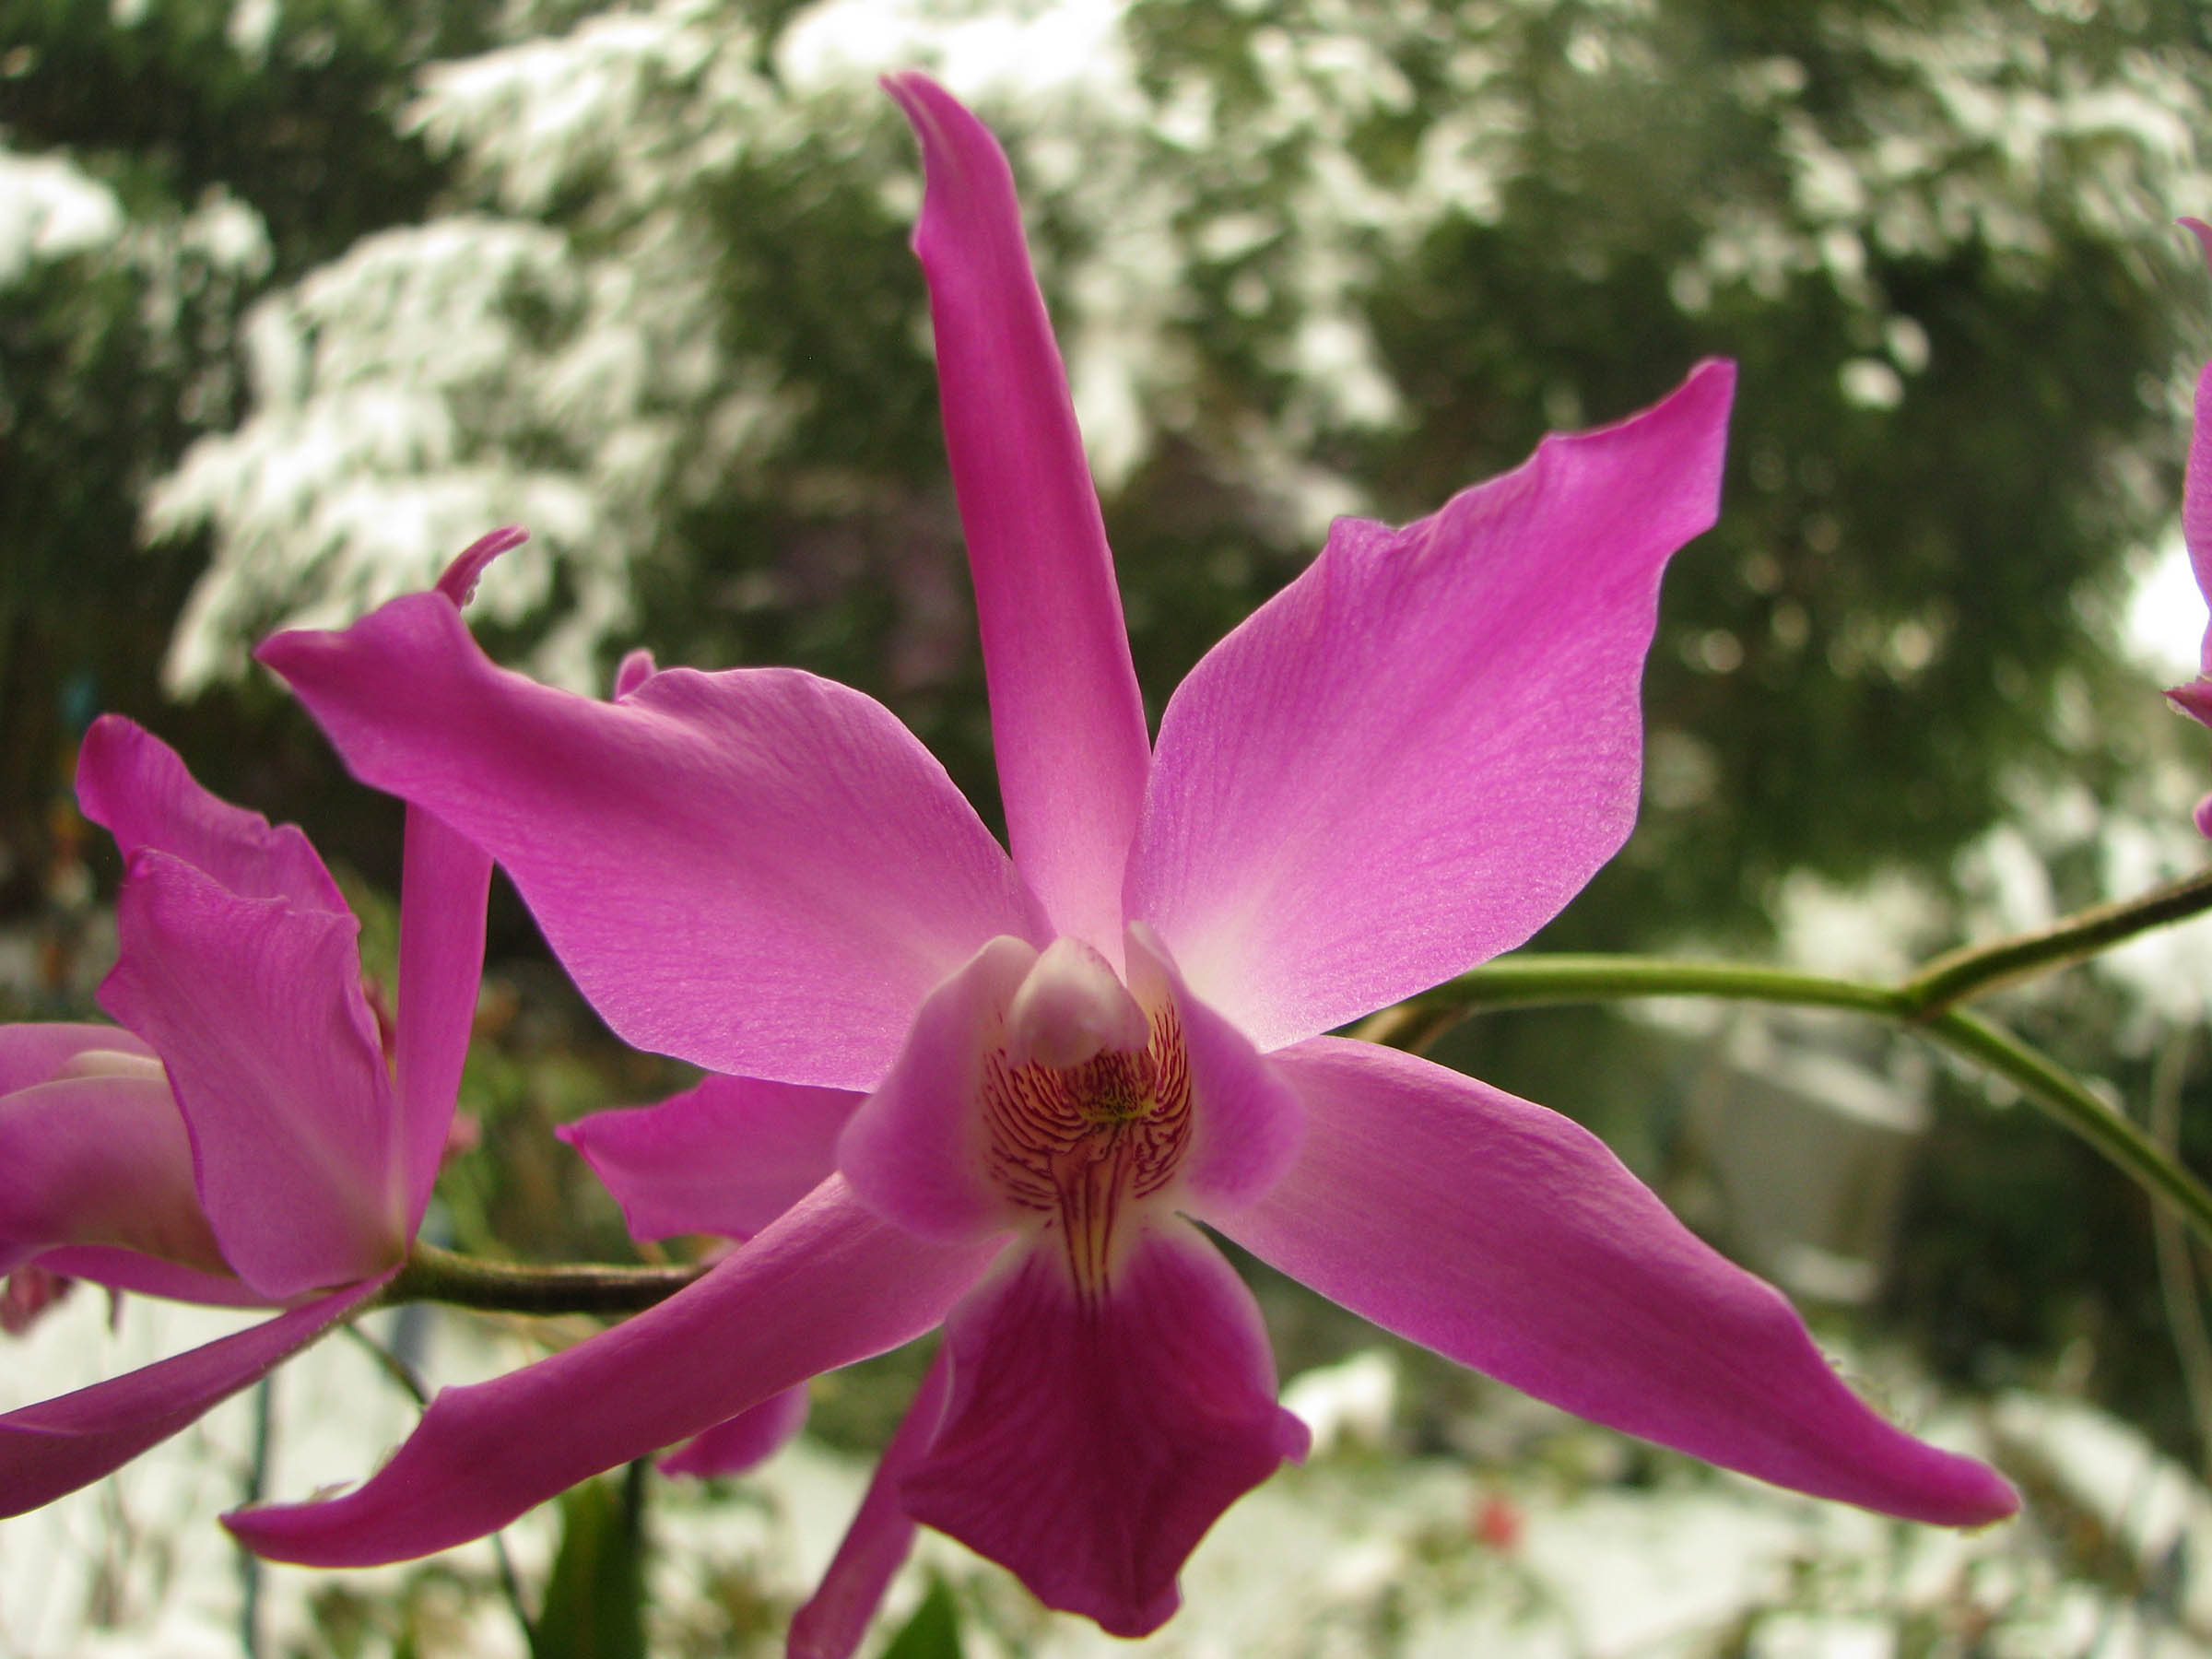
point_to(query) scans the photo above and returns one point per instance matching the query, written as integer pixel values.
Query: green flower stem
(2068, 1099)
(1956, 977)
(1532, 981)
(443, 1276)
(1524, 981)
(1969, 972)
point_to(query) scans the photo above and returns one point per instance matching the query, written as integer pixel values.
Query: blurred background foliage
(337, 285)
(298, 296)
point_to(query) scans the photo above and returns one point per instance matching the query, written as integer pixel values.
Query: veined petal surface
(835, 1617)
(1091, 1440)
(1245, 1121)
(101, 1160)
(1410, 759)
(727, 1156)
(134, 786)
(1508, 1239)
(444, 882)
(1066, 718)
(61, 1445)
(827, 1284)
(758, 871)
(255, 1007)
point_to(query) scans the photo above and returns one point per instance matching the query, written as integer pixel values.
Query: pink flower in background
(2195, 698)
(27, 1295)
(998, 1093)
(240, 1140)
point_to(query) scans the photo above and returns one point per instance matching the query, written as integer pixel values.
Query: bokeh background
(298, 296)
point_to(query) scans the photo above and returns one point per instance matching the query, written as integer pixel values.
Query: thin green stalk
(1956, 977)
(2068, 1099)
(397, 1370)
(1527, 981)
(257, 1488)
(1977, 968)
(415, 1389)
(444, 1275)
(2177, 1267)
(1521, 982)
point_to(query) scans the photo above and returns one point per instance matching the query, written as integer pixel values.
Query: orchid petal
(1066, 719)
(635, 668)
(147, 1276)
(132, 782)
(58, 1445)
(744, 1441)
(2196, 484)
(1091, 1440)
(101, 1160)
(256, 1008)
(2196, 499)
(443, 885)
(835, 1617)
(1245, 1121)
(1408, 760)
(1508, 1239)
(458, 582)
(727, 1156)
(2201, 231)
(36, 1051)
(758, 871)
(918, 1150)
(826, 1285)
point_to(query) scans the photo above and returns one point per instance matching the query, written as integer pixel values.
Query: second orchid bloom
(243, 1138)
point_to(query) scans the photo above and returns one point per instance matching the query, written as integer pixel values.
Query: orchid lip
(1079, 1143)
(1045, 1094)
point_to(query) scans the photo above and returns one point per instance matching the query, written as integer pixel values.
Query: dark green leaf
(933, 1633)
(594, 1606)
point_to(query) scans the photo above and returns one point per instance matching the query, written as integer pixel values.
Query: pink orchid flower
(2195, 698)
(240, 1140)
(998, 1094)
